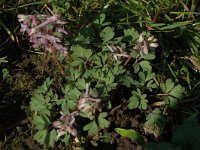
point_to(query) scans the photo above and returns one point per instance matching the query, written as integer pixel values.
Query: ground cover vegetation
(101, 74)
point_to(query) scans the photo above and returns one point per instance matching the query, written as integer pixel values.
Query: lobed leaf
(91, 127)
(41, 136)
(102, 122)
(132, 134)
(107, 34)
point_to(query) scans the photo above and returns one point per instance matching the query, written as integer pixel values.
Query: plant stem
(58, 63)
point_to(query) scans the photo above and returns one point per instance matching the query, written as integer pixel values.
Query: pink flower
(41, 34)
(65, 124)
(88, 106)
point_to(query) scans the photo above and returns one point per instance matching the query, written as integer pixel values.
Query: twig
(117, 107)
(58, 63)
(129, 58)
(156, 81)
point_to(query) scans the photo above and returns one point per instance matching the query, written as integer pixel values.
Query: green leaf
(142, 76)
(136, 68)
(171, 101)
(132, 134)
(80, 52)
(45, 86)
(174, 93)
(137, 83)
(139, 92)
(41, 136)
(41, 122)
(96, 60)
(66, 139)
(143, 104)
(47, 83)
(127, 81)
(133, 102)
(109, 78)
(64, 106)
(177, 91)
(107, 34)
(162, 87)
(74, 94)
(66, 89)
(67, 104)
(100, 19)
(77, 51)
(134, 54)
(87, 53)
(103, 114)
(149, 75)
(138, 100)
(155, 118)
(91, 128)
(175, 25)
(37, 103)
(81, 84)
(149, 57)
(145, 65)
(93, 92)
(150, 85)
(169, 85)
(103, 123)
(52, 138)
(131, 34)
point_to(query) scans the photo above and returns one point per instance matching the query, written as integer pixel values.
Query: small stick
(57, 62)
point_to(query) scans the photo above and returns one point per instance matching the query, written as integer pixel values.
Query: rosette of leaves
(138, 100)
(172, 92)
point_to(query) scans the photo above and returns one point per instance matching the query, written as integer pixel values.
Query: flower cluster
(65, 124)
(117, 51)
(143, 44)
(88, 106)
(44, 31)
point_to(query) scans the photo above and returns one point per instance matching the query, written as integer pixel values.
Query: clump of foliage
(101, 48)
(91, 76)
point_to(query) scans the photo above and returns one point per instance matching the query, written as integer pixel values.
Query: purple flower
(88, 106)
(66, 124)
(41, 29)
(143, 45)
